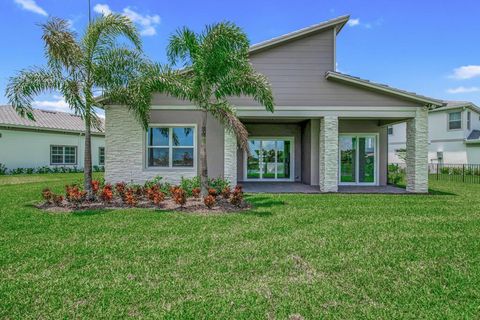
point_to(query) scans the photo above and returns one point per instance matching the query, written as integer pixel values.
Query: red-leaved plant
(95, 186)
(209, 201)
(130, 197)
(47, 195)
(196, 192)
(120, 188)
(179, 196)
(212, 192)
(226, 192)
(74, 194)
(237, 196)
(57, 199)
(107, 193)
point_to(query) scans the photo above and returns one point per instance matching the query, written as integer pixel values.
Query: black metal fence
(468, 173)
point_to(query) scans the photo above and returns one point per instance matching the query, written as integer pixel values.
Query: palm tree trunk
(203, 156)
(87, 162)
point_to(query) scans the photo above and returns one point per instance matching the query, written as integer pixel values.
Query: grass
(317, 256)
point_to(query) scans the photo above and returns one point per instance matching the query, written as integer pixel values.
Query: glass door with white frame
(358, 159)
(270, 159)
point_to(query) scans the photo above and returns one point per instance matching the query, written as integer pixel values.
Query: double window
(171, 147)
(101, 156)
(63, 155)
(455, 120)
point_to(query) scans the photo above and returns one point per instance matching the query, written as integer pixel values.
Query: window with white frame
(455, 120)
(469, 120)
(171, 147)
(390, 130)
(101, 156)
(62, 155)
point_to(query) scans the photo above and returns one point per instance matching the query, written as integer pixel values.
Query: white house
(453, 137)
(53, 139)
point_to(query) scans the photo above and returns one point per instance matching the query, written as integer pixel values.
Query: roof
(45, 120)
(341, 77)
(449, 104)
(337, 23)
(474, 135)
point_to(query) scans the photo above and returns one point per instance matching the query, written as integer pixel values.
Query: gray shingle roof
(47, 120)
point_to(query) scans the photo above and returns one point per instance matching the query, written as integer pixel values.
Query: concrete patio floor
(297, 187)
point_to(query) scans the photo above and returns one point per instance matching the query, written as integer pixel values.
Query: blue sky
(429, 47)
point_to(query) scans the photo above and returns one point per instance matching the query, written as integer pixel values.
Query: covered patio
(298, 187)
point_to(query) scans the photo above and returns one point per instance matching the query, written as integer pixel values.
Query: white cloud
(147, 23)
(353, 22)
(31, 5)
(103, 9)
(463, 90)
(466, 72)
(59, 104)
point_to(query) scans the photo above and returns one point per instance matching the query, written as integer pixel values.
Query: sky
(429, 47)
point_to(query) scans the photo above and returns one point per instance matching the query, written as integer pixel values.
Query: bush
(226, 192)
(189, 184)
(107, 193)
(179, 196)
(43, 170)
(74, 194)
(395, 174)
(218, 184)
(120, 188)
(209, 201)
(196, 192)
(212, 192)
(47, 195)
(57, 199)
(95, 186)
(3, 169)
(237, 196)
(129, 197)
(17, 171)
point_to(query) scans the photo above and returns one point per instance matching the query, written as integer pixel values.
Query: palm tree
(79, 66)
(217, 67)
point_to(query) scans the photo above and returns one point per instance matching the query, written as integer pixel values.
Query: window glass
(455, 120)
(63, 155)
(101, 156)
(171, 147)
(390, 130)
(469, 117)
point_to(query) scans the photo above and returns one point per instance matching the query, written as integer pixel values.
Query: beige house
(328, 129)
(54, 139)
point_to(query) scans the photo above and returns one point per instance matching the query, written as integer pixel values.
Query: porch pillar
(328, 160)
(417, 152)
(230, 157)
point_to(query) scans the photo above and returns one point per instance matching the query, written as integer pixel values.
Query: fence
(468, 173)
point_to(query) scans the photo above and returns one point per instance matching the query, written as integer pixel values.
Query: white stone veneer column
(417, 152)
(230, 158)
(328, 160)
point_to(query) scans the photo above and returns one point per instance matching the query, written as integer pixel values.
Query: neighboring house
(328, 128)
(53, 139)
(453, 137)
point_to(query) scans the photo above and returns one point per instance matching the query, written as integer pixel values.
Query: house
(453, 137)
(328, 129)
(54, 139)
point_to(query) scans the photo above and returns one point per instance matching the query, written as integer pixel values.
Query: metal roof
(449, 104)
(45, 120)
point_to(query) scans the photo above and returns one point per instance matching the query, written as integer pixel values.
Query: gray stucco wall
(274, 130)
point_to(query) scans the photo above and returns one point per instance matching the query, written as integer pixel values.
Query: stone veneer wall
(328, 172)
(230, 160)
(417, 152)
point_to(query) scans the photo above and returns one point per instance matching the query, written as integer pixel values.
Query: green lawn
(318, 256)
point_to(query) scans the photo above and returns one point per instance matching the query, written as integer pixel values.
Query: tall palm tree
(79, 66)
(217, 67)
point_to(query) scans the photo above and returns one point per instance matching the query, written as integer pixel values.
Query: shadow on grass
(90, 212)
(440, 193)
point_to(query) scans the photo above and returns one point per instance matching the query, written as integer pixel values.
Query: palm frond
(61, 47)
(225, 114)
(183, 47)
(28, 83)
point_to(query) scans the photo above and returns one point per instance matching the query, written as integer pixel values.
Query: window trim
(469, 120)
(100, 155)
(390, 130)
(171, 146)
(63, 155)
(448, 121)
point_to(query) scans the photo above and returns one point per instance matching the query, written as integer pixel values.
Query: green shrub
(218, 184)
(3, 169)
(396, 174)
(189, 184)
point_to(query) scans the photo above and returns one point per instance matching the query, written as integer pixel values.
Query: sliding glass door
(269, 159)
(358, 159)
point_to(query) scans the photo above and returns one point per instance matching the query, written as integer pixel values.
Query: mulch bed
(192, 206)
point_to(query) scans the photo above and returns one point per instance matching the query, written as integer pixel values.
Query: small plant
(218, 184)
(120, 188)
(95, 186)
(226, 192)
(179, 196)
(18, 171)
(130, 198)
(196, 192)
(57, 199)
(74, 194)
(209, 201)
(158, 197)
(30, 171)
(189, 184)
(212, 192)
(107, 193)
(47, 195)
(172, 190)
(237, 196)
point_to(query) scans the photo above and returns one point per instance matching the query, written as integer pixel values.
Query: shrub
(95, 186)
(120, 188)
(226, 192)
(444, 170)
(237, 196)
(17, 171)
(130, 198)
(189, 184)
(196, 192)
(218, 184)
(179, 196)
(209, 201)
(395, 174)
(47, 195)
(30, 171)
(74, 194)
(107, 193)
(3, 169)
(212, 192)
(43, 170)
